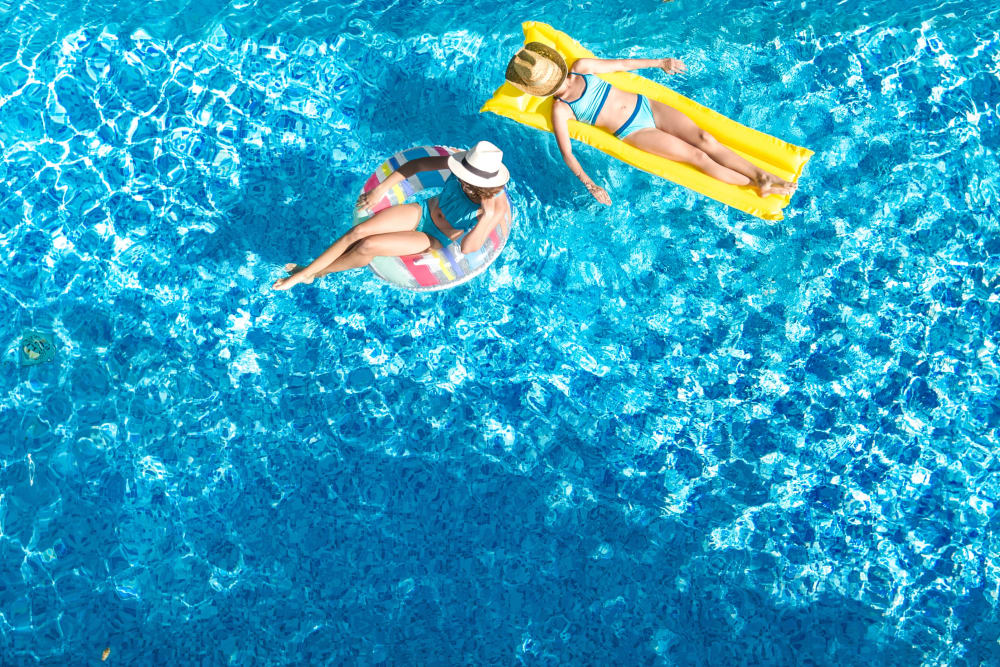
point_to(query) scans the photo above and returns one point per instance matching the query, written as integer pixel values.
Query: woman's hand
(600, 194)
(672, 66)
(368, 199)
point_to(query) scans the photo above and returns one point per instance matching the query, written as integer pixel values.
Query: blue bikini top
(588, 106)
(460, 211)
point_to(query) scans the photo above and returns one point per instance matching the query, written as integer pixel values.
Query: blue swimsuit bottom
(641, 118)
(460, 212)
(427, 226)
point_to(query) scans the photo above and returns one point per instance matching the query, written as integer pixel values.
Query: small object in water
(36, 348)
(106, 653)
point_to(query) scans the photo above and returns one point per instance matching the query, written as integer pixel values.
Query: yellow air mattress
(773, 155)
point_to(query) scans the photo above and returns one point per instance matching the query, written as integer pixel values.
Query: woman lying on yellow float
(649, 125)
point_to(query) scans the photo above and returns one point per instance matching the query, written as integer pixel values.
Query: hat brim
(549, 53)
(460, 170)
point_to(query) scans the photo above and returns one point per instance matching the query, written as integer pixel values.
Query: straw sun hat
(537, 69)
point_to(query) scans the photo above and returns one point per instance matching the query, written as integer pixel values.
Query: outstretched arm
(375, 195)
(560, 119)
(602, 66)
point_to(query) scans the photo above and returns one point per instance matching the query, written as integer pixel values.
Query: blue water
(663, 433)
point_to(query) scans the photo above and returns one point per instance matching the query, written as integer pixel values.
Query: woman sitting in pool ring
(649, 125)
(466, 211)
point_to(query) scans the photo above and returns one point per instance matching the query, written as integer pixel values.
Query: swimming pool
(664, 433)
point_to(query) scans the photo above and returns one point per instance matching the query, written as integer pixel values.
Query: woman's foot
(769, 184)
(293, 279)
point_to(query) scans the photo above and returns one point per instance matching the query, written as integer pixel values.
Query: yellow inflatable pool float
(771, 154)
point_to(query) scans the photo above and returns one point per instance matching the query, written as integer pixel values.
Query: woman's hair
(479, 194)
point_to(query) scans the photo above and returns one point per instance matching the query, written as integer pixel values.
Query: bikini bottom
(641, 118)
(428, 227)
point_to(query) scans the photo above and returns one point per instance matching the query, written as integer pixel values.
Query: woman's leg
(677, 124)
(392, 244)
(393, 219)
(659, 142)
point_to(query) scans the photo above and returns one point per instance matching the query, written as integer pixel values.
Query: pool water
(661, 433)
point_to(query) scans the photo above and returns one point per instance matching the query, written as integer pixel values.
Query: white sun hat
(481, 166)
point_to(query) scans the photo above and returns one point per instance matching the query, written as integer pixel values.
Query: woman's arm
(560, 118)
(375, 195)
(602, 66)
(490, 213)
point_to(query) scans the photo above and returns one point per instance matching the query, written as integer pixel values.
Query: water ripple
(667, 433)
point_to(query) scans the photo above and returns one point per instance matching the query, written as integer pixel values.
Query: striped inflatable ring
(440, 268)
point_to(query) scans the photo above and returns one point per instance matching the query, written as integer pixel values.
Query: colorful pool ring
(774, 155)
(436, 269)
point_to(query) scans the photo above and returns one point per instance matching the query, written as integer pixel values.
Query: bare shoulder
(491, 205)
(501, 202)
(496, 205)
(560, 110)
